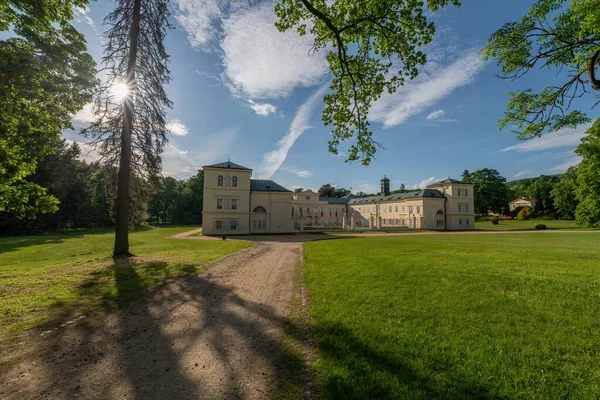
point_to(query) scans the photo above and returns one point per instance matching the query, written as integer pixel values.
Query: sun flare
(120, 91)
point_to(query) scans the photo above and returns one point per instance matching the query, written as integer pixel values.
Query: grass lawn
(44, 279)
(454, 316)
(526, 225)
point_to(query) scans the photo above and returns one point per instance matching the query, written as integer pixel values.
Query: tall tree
(129, 109)
(46, 75)
(326, 190)
(564, 194)
(588, 190)
(490, 193)
(376, 46)
(551, 35)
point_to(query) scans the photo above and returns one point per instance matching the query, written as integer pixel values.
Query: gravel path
(216, 335)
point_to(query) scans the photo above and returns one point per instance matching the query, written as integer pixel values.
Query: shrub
(494, 220)
(525, 214)
(483, 219)
(541, 227)
(507, 217)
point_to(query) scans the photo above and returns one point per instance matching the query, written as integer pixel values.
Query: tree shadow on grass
(191, 338)
(356, 370)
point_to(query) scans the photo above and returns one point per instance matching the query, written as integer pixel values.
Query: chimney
(385, 186)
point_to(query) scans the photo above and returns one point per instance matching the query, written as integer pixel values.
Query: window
(460, 222)
(219, 225)
(464, 208)
(440, 212)
(466, 193)
(259, 209)
(418, 210)
(259, 224)
(467, 222)
(410, 209)
(219, 204)
(440, 222)
(233, 225)
(234, 181)
(459, 192)
(220, 180)
(403, 209)
(234, 204)
(396, 208)
(227, 181)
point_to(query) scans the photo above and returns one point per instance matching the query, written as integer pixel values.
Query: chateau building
(236, 204)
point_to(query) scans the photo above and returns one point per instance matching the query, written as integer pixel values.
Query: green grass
(47, 278)
(526, 225)
(454, 316)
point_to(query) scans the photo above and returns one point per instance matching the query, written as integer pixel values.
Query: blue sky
(245, 91)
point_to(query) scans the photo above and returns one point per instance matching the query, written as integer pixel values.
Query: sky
(244, 91)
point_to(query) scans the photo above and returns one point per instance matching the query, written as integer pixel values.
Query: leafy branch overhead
(372, 45)
(551, 35)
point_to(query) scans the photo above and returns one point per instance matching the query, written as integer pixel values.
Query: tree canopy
(371, 46)
(46, 75)
(551, 35)
(490, 193)
(588, 183)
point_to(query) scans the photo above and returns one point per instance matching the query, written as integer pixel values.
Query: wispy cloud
(521, 173)
(565, 137)
(176, 127)
(181, 162)
(273, 160)
(436, 114)
(302, 173)
(82, 15)
(262, 109)
(85, 115)
(200, 19)
(437, 81)
(568, 162)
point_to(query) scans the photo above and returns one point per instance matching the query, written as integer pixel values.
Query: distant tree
(559, 34)
(588, 180)
(178, 201)
(373, 46)
(340, 192)
(326, 190)
(46, 75)
(466, 176)
(402, 187)
(162, 204)
(489, 191)
(564, 194)
(299, 190)
(130, 129)
(541, 189)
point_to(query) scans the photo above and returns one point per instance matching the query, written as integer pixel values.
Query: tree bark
(122, 203)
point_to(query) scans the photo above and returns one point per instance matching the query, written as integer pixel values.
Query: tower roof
(385, 178)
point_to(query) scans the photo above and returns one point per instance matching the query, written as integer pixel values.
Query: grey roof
(445, 181)
(335, 200)
(429, 193)
(229, 165)
(265, 185)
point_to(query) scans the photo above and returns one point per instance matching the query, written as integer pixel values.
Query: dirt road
(216, 335)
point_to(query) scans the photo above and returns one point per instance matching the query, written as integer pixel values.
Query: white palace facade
(236, 204)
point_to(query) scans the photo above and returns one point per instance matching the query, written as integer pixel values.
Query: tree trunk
(122, 204)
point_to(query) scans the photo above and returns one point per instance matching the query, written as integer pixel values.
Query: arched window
(227, 181)
(220, 180)
(259, 209)
(440, 212)
(234, 181)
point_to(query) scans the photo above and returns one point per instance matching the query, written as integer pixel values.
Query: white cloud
(260, 61)
(273, 160)
(426, 182)
(199, 19)
(82, 15)
(302, 173)
(262, 109)
(521, 173)
(435, 82)
(85, 115)
(176, 127)
(436, 114)
(565, 137)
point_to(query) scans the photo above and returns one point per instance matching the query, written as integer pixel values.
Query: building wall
(212, 191)
(460, 207)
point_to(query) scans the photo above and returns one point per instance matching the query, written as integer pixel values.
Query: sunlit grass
(46, 278)
(456, 316)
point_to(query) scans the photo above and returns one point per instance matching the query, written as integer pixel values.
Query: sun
(120, 90)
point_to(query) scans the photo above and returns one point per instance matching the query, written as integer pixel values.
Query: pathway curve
(215, 335)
